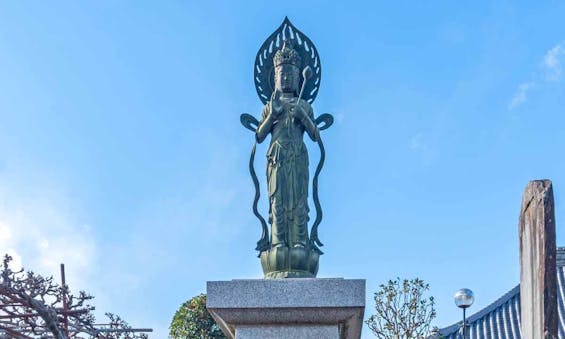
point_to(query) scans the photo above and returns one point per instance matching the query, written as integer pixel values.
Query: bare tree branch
(402, 310)
(32, 306)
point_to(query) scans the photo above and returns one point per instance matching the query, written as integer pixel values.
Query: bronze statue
(290, 251)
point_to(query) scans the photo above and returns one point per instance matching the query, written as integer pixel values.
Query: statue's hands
(298, 112)
(276, 106)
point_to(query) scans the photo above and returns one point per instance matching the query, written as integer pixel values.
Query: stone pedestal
(288, 308)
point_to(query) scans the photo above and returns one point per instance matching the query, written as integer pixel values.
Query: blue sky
(121, 152)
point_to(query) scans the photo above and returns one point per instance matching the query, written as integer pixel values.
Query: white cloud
(5, 241)
(521, 94)
(40, 232)
(551, 71)
(552, 62)
(5, 234)
(16, 263)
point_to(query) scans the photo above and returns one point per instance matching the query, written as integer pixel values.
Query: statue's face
(286, 78)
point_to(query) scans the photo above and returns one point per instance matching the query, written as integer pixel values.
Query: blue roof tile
(501, 319)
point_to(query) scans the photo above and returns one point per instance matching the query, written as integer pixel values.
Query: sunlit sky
(122, 155)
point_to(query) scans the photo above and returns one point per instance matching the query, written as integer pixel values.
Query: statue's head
(287, 69)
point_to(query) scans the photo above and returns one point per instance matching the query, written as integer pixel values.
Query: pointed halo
(264, 70)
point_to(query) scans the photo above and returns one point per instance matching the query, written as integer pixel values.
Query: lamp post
(464, 298)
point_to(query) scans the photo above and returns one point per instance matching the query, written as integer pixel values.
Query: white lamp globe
(464, 298)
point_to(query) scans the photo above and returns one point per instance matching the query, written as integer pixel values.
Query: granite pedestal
(288, 308)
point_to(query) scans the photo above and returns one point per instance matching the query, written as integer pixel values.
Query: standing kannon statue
(287, 79)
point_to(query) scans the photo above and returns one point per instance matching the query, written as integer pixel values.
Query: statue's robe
(287, 177)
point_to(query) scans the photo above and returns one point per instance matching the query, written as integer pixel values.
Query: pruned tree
(117, 328)
(192, 321)
(35, 306)
(402, 310)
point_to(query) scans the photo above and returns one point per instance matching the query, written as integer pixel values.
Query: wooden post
(538, 272)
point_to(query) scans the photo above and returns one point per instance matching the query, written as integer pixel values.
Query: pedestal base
(288, 308)
(277, 332)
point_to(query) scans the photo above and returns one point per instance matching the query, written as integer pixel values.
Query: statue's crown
(287, 55)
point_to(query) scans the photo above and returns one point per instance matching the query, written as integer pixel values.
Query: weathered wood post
(538, 275)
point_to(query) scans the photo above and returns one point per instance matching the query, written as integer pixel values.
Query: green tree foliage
(192, 321)
(402, 310)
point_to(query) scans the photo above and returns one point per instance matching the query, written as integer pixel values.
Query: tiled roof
(501, 319)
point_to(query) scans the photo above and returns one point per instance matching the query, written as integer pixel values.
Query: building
(501, 319)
